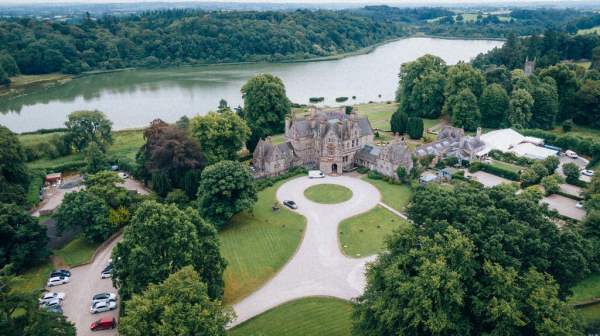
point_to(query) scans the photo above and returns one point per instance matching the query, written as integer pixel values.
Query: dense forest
(186, 37)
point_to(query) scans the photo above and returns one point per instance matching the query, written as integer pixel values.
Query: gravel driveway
(85, 282)
(318, 268)
(565, 206)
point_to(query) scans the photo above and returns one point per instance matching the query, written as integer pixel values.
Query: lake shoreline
(19, 90)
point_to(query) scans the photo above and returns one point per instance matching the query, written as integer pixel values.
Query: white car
(51, 296)
(571, 154)
(579, 205)
(103, 297)
(587, 172)
(52, 303)
(100, 307)
(55, 281)
(315, 174)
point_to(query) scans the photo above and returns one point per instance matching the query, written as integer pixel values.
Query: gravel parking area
(85, 283)
(487, 179)
(565, 206)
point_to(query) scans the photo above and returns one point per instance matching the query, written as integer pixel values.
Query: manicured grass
(257, 244)
(125, 144)
(587, 289)
(365, 234)
(589, 314)
(77, 251)
(328, 193)
(429, 123)
(379, 113)
(507, 166)
(303, 317)
(396, 196)
(34, 279)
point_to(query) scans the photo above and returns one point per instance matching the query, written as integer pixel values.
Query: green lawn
(587, 289)
(256, 245)
(582, 131)
(593, 30)
(396, 196)
(328, 193)
(76, 252)
(379, 113)
(365, 234)
(125, 144)
(507, 166)
(303, 317)
(34, 279)
(33, 192)
(589, 314)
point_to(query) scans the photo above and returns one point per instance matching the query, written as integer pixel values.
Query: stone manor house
(333, 141)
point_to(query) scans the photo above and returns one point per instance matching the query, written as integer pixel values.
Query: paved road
(85, 282)
(487, 179)
(565, 206)
(318, 268)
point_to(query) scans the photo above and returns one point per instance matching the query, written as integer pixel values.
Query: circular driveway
(318, 268)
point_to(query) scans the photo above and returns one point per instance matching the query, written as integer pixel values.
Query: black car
(60, 273)
(290, 204)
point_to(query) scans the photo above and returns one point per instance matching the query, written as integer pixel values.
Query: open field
(593, 30)
(125, 144)
(328, 193)
(303, 317)
(396, 196)
(256, 245)
(366, 233)
(379, 114)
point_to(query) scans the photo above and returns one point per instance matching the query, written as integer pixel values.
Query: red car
(103, 324)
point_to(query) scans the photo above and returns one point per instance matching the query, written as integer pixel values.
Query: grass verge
(77, 251)
(328, 193)
(257, 244)
(303, 317)
(396, 196)
(366, 234)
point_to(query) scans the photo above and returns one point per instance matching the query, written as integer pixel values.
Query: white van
(315, 174)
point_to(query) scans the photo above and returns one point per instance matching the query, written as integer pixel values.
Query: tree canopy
(85, 127)
(160, 240)
(493, 106)
(220, 135)
(180, 305)
(14, 176)
(464, 110)
(421, 87)
(22, 240)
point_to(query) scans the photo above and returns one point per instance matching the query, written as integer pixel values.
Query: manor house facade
(333, 141)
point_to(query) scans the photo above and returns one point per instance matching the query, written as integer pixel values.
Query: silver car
(103, 297)
(100, 307)
(59, 280)
(51, 296)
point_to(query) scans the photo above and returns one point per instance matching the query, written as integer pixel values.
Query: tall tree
(399, 122)
(85, 127)
(22, 239)
(95, 159)
(160, 240)
(265, 106)
(460, 77)
(83, 209)
(588, 104)
(567, 85)
(595, 65)
(464, 111)
(221, 135)
(499, 75)
(178, 306)
(493, 105)
(545, 104)
(226, 188)
(521, 104)
(4, 80)
(14, 176)
(421, 87)
(414, 127)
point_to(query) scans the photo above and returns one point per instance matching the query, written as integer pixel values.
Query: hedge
(495, 170)
(585, 146)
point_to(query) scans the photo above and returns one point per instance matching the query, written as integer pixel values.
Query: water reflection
(133, 98)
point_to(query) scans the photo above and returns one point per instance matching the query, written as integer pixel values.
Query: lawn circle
(328, 193)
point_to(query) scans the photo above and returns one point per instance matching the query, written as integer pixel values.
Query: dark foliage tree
(22, 240)
(95, 159)
(399, 122)
(225, 189)
(521, 106)
(88, 211)
(571, 171)
(499, 75)
(85, 127)
(14, 176)
(595, 65)
(7, 62)
(464, 110)
(414, 127)
(567, 86)
(545, 104)
(180, 306)
(588, 104)
(160, 240)
(190, 183)
(421, 87)
(493, 106)
(265, 107)
(4, 80)
(168, 151)
(461, 77)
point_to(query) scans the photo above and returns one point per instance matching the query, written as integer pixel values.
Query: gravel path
(318, 268)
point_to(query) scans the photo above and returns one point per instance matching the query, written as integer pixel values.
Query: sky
(274, 1)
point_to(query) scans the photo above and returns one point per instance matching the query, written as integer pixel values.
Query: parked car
(290, 204)
(103, 324)
(315, 174)
(123, 175)
(579, 205)
(50, 296)
(52, 303)
(57, 280)
(106, 272)
(53, 309)
(104, 297)
(60, 273)
(587, 172)
(100, 307)
(571, 154)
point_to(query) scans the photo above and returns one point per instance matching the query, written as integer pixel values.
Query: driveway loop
(319, 268)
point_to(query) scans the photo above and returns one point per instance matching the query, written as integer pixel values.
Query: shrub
(316, 99)
(341, 99)
(373, 175)
(571, 171)
(415, 127)
(567, 126)
(495, 170)
(348, 109)
(362, 170)
(551, 184)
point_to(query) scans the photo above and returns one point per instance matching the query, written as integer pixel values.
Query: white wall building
(509, 140)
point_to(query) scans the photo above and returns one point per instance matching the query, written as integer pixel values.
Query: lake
(136, 97)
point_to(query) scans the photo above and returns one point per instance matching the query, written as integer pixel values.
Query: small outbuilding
(53, 179)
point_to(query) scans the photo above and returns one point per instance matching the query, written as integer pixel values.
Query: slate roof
(303, 125)
(368, 153)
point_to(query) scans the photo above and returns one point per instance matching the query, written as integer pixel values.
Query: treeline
(174, 37)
